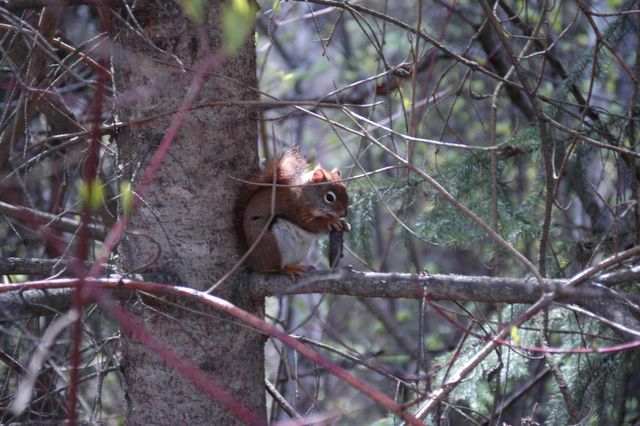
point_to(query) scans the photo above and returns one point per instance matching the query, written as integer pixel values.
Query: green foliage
(194, 9)
(238, 18)
(126, 198)
(468, 179)
(364, 203)
(583, 70)
(91, 194)
(594, 379)
(479, 391)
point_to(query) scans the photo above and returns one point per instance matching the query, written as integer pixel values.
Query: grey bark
(38, 266)
(25, 302)
(188, 212)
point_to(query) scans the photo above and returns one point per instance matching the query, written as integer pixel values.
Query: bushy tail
(286, 168)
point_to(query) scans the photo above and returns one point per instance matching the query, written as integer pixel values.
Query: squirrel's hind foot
(297, 270)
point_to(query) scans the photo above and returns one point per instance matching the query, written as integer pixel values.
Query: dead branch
(349, 282)
(16, 301)
(50, 220)
(37, 266)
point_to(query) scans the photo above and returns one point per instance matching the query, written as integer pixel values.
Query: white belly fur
(296, 245)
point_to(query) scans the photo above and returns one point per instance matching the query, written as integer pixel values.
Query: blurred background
(545, 154)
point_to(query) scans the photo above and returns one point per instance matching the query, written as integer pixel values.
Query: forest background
(490, 150)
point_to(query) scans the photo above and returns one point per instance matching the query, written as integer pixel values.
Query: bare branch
(51, 220)
(349, 282)
(618, 277)
(37, 266)
(33, 303)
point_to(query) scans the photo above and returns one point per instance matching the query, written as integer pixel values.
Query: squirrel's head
(329, 193)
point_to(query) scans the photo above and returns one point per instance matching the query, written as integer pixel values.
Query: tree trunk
(186, 217)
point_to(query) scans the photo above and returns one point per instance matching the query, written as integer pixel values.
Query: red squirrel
(303, 212)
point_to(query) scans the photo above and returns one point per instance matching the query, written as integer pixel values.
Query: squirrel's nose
(343, 212)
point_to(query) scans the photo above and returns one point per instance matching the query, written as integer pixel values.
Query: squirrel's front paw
(339, 225)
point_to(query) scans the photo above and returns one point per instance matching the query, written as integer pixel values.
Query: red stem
(89, 173)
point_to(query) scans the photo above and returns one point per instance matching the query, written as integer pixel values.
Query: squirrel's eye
(330, 197)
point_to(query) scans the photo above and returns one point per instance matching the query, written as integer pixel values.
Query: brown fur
(306, 206)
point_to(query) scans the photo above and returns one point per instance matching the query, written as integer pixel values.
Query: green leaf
(126, 198)
(91, 194)
(276, 6)
(238, 18)
(194, 9)
(515, 335)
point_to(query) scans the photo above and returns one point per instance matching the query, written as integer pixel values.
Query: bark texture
(185, 227)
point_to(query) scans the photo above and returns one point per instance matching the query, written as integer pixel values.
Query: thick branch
(33, 303)
(349, 282)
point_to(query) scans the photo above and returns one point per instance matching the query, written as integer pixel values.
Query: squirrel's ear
(319, 175)
(336, 172)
